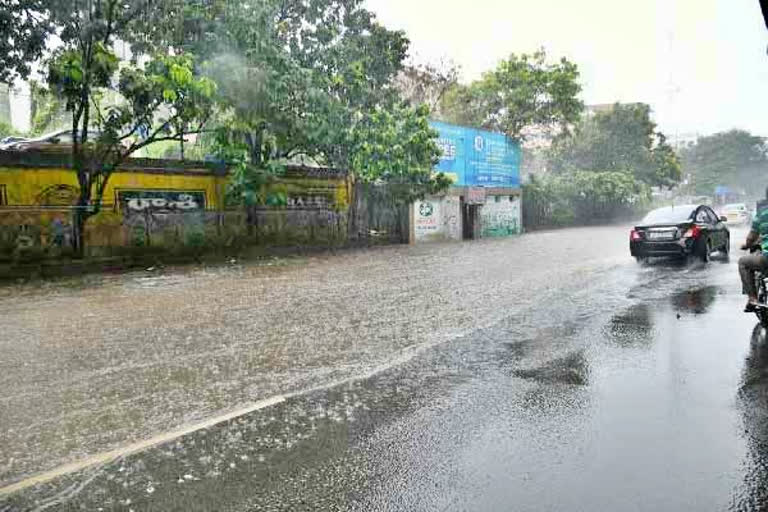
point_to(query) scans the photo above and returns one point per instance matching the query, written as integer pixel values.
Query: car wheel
(727, 248)
(704, 250)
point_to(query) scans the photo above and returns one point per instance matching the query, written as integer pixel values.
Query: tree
(524, 92)
(399, 148)
(622, 138)
(582, 197)
(734, 158)
(297, 77)
(25, 26)
(164, 99)
(666, 165)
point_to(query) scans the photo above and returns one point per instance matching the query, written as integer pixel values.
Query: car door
(718, 229)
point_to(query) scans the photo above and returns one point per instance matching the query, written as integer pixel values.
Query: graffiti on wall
(309, 202)
(168, 209)
(159, 201)
(26, 230)
(500, 216)
(58, 195)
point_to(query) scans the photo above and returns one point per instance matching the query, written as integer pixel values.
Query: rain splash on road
(555, 379)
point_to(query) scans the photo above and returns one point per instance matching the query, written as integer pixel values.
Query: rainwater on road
(545, 372)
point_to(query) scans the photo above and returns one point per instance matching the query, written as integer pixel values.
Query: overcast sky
(701, 64)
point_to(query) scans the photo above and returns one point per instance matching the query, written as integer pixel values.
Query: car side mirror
(723, 218)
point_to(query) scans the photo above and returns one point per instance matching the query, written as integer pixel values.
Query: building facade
(485, 199)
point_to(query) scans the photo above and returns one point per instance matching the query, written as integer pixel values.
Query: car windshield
(669, 215)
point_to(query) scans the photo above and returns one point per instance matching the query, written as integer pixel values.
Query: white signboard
(427, 219)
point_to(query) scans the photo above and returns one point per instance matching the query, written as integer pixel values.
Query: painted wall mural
(501, 216)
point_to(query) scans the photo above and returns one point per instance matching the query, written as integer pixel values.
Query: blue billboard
(477, 158)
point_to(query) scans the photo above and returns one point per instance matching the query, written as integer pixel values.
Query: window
(702, 216)
(669, 215)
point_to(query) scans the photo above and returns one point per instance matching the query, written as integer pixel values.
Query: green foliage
(164, 99)
(249, 182)
(523, 92)
(48, 112)
(6, 130)
(735, 158)
(24, 30)
(582, 198)
(398, 147)
(301, 77)
(623, 138)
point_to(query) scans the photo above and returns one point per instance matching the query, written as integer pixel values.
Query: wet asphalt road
(580, 382)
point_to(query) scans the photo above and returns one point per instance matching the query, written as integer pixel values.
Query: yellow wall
(57, 189)
(23, 186)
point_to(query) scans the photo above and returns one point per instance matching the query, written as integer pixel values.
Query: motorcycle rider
(751, 263)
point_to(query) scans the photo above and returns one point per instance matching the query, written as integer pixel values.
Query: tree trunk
(78, 232)
(358, 213)
(251, 221)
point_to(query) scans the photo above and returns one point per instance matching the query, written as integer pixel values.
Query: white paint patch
(437, 219)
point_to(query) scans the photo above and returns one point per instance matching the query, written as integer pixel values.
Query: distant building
(485, 199)
(682, 140)
(602, 108)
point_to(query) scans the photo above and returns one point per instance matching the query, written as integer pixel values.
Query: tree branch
(132, 16)
(110, 19)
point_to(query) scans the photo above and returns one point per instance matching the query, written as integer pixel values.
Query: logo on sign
(426, 209)
(479, 143)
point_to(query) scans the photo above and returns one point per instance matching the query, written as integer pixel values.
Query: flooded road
(547, 372)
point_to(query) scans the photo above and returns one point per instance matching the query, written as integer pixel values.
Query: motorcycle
(761, 283)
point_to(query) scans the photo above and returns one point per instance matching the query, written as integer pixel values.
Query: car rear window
(669, 215)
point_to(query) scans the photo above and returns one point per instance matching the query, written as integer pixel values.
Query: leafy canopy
(734, 158)
(524, 92)
(583, 197)
(25, 27)
(300, 78)
(621, 138)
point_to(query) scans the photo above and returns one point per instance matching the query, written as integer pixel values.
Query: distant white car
(10, 140)
(736, 214)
